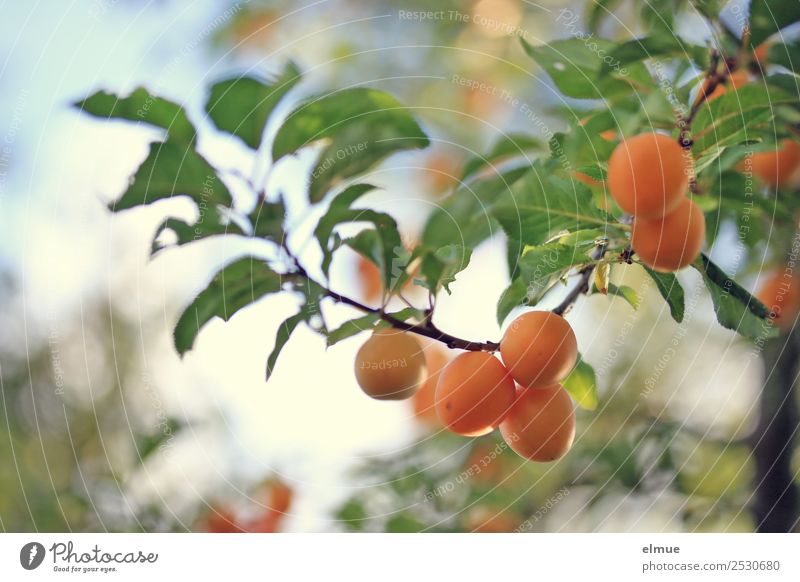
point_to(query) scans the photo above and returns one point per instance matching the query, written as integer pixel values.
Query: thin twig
(426, 329)
(582, 286)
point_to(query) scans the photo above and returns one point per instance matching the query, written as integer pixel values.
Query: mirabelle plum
(672, 242)
(541, 424)
(390, 365)
(369, 279)
(424, 400)
(474, 394)
(780, 292)
(539, 348)
(648, 175)
(220, 520)
(776, 168)
(280, 496)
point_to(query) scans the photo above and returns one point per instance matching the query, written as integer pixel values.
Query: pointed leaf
(353, 327)
(735, 307)
(173, 169)
(361, 127)
(544, 204)
(241, 106)
(542, 266)
(141, 107)
(582, 385)
(237, 285)
(285, 331)
(507, 147)
(514, 296)
(671, 290)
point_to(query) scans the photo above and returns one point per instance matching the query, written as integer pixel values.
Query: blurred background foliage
(96, 433)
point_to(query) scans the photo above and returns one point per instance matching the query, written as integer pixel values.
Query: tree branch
(583, 284)
(426, 329)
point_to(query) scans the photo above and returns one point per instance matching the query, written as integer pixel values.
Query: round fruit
(390, 365)
(539, 349)
(776, 168)
(369, 278)
(673, 242)
(474, 394)
(280, 496)
(780, 293)
(424, 401)
(541, 424)
(648, 175)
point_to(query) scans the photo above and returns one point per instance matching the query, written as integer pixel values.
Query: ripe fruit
(780, 293)
(474, 394)
(424, 400)
(541, 424)
(390, 365)
(539, 348)
(672, 242)
(648, 175)
(280, 496)
(220, 520)
(369, 278)
(776, 168)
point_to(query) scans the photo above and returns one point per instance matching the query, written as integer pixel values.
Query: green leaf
(598, 11)
(241, 106)
(734, 116)
(360, 126)
(509, 146)
(440, 267)
(267, 220)
(624, 292)
(735, 307)
(386, 249)
(671, 290)
(575, 66)
(541, 266)
(237, 285)
(769, 16)
(208, 224)
(658, 45)
(544, 204)
(141, 107)
(463, 217)
(285, 331)
(353, 327)
(582, 385)
(173, 169)
(514, 296)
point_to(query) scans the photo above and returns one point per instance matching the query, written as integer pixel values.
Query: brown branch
(582, 286)
(426, 329)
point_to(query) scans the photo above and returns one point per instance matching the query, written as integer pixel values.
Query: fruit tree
(664, 144)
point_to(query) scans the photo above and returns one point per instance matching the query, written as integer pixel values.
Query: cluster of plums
(648, 176)
(476, 392)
